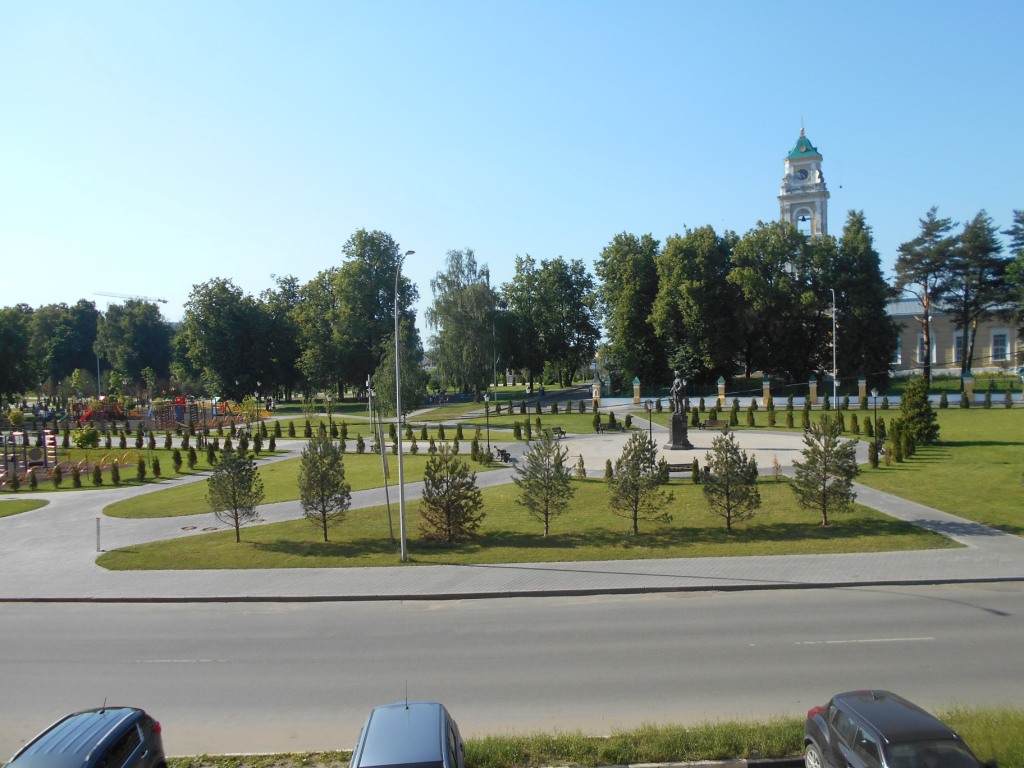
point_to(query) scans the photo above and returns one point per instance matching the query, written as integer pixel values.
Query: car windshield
(944, 753)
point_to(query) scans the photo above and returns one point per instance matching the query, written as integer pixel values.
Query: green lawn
(508, 534)
(16, 506)
(280, 483)
(977, 472)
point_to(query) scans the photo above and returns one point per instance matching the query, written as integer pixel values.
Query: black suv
(110, 737)
(871, 729)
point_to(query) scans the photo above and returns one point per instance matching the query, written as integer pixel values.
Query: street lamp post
(330, 419)
(487, 416)
(259, 410)
(835, 371)
(874, 401)
(650, 423)
(398, 416)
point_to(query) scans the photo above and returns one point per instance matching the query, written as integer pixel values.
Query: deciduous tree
(695, 313)
(628, 274)
(462, 316)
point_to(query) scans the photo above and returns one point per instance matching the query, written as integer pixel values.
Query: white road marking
(866, 640)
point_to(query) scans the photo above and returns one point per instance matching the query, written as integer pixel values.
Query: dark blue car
(109, 737)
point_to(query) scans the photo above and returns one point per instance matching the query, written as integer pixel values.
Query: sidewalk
(49, 554)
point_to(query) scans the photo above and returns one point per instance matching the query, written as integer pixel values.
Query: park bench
(714, 424)
(680, 469)
(616, 427)
(557, 432)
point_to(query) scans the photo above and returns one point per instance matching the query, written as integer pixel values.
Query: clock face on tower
(802, 174)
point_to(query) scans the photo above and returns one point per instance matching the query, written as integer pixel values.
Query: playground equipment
(18, 454)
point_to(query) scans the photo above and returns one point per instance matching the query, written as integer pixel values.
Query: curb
(516, 593)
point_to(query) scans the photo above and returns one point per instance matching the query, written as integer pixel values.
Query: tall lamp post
(330, 419)
(487, 416)
(649, 405)
(835, 371)
(874, 400)
(398, 416)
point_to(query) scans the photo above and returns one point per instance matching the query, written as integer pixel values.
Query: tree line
(704, 303)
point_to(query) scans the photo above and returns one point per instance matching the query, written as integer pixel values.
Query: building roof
(803, 148)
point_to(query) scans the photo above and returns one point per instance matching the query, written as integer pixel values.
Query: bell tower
(803, 199)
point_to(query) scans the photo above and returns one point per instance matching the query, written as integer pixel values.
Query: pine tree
(824, 478)
(323, 491)
(729, 481)
(636, 491)
(543, 480)
(451, 505)
(235, 490)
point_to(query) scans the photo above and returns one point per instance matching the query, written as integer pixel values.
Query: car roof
(403, 733)
(72, 739)
(893, 717)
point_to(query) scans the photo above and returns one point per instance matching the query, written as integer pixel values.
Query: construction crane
(130, 296)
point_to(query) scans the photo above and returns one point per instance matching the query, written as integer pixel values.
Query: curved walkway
(49, 553)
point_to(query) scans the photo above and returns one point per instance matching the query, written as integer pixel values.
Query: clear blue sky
(146, 147)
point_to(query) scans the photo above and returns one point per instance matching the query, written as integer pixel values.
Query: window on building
(958, 347)
(897, 355)
(1000, 346)
(920, 346)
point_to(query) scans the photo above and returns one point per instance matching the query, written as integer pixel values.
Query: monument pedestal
(680, 440)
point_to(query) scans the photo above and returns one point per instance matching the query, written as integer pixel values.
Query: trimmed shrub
(97, 475)
(76, 477)
(57, 476)
(115, 473)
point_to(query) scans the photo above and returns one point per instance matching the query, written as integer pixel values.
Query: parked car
(409, 733)
(108, 737)
(879, 729)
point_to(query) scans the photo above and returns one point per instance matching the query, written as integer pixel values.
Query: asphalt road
(302, 676)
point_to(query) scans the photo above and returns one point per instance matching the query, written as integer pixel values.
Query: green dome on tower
(803, 148)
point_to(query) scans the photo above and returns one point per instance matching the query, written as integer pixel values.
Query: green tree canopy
(544, 481)
(867, 334)
(451, 508)
(918, 418)
(462, 315)
(636, 489)
(729, 481)
(628, 273)
(133, 336)
(695, 314)
(323, 491)
(824, 479)
(234, 490)
(976, 287)
(922, 271)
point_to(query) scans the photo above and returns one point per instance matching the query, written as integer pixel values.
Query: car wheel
(812, 757)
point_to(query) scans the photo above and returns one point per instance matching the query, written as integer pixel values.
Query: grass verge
(17, 506)
(994, 733)
(589, 531)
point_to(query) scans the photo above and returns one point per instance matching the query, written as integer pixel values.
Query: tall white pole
(398, 416)
(835, 372)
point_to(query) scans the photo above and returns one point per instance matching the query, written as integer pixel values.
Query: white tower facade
(803, 199)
